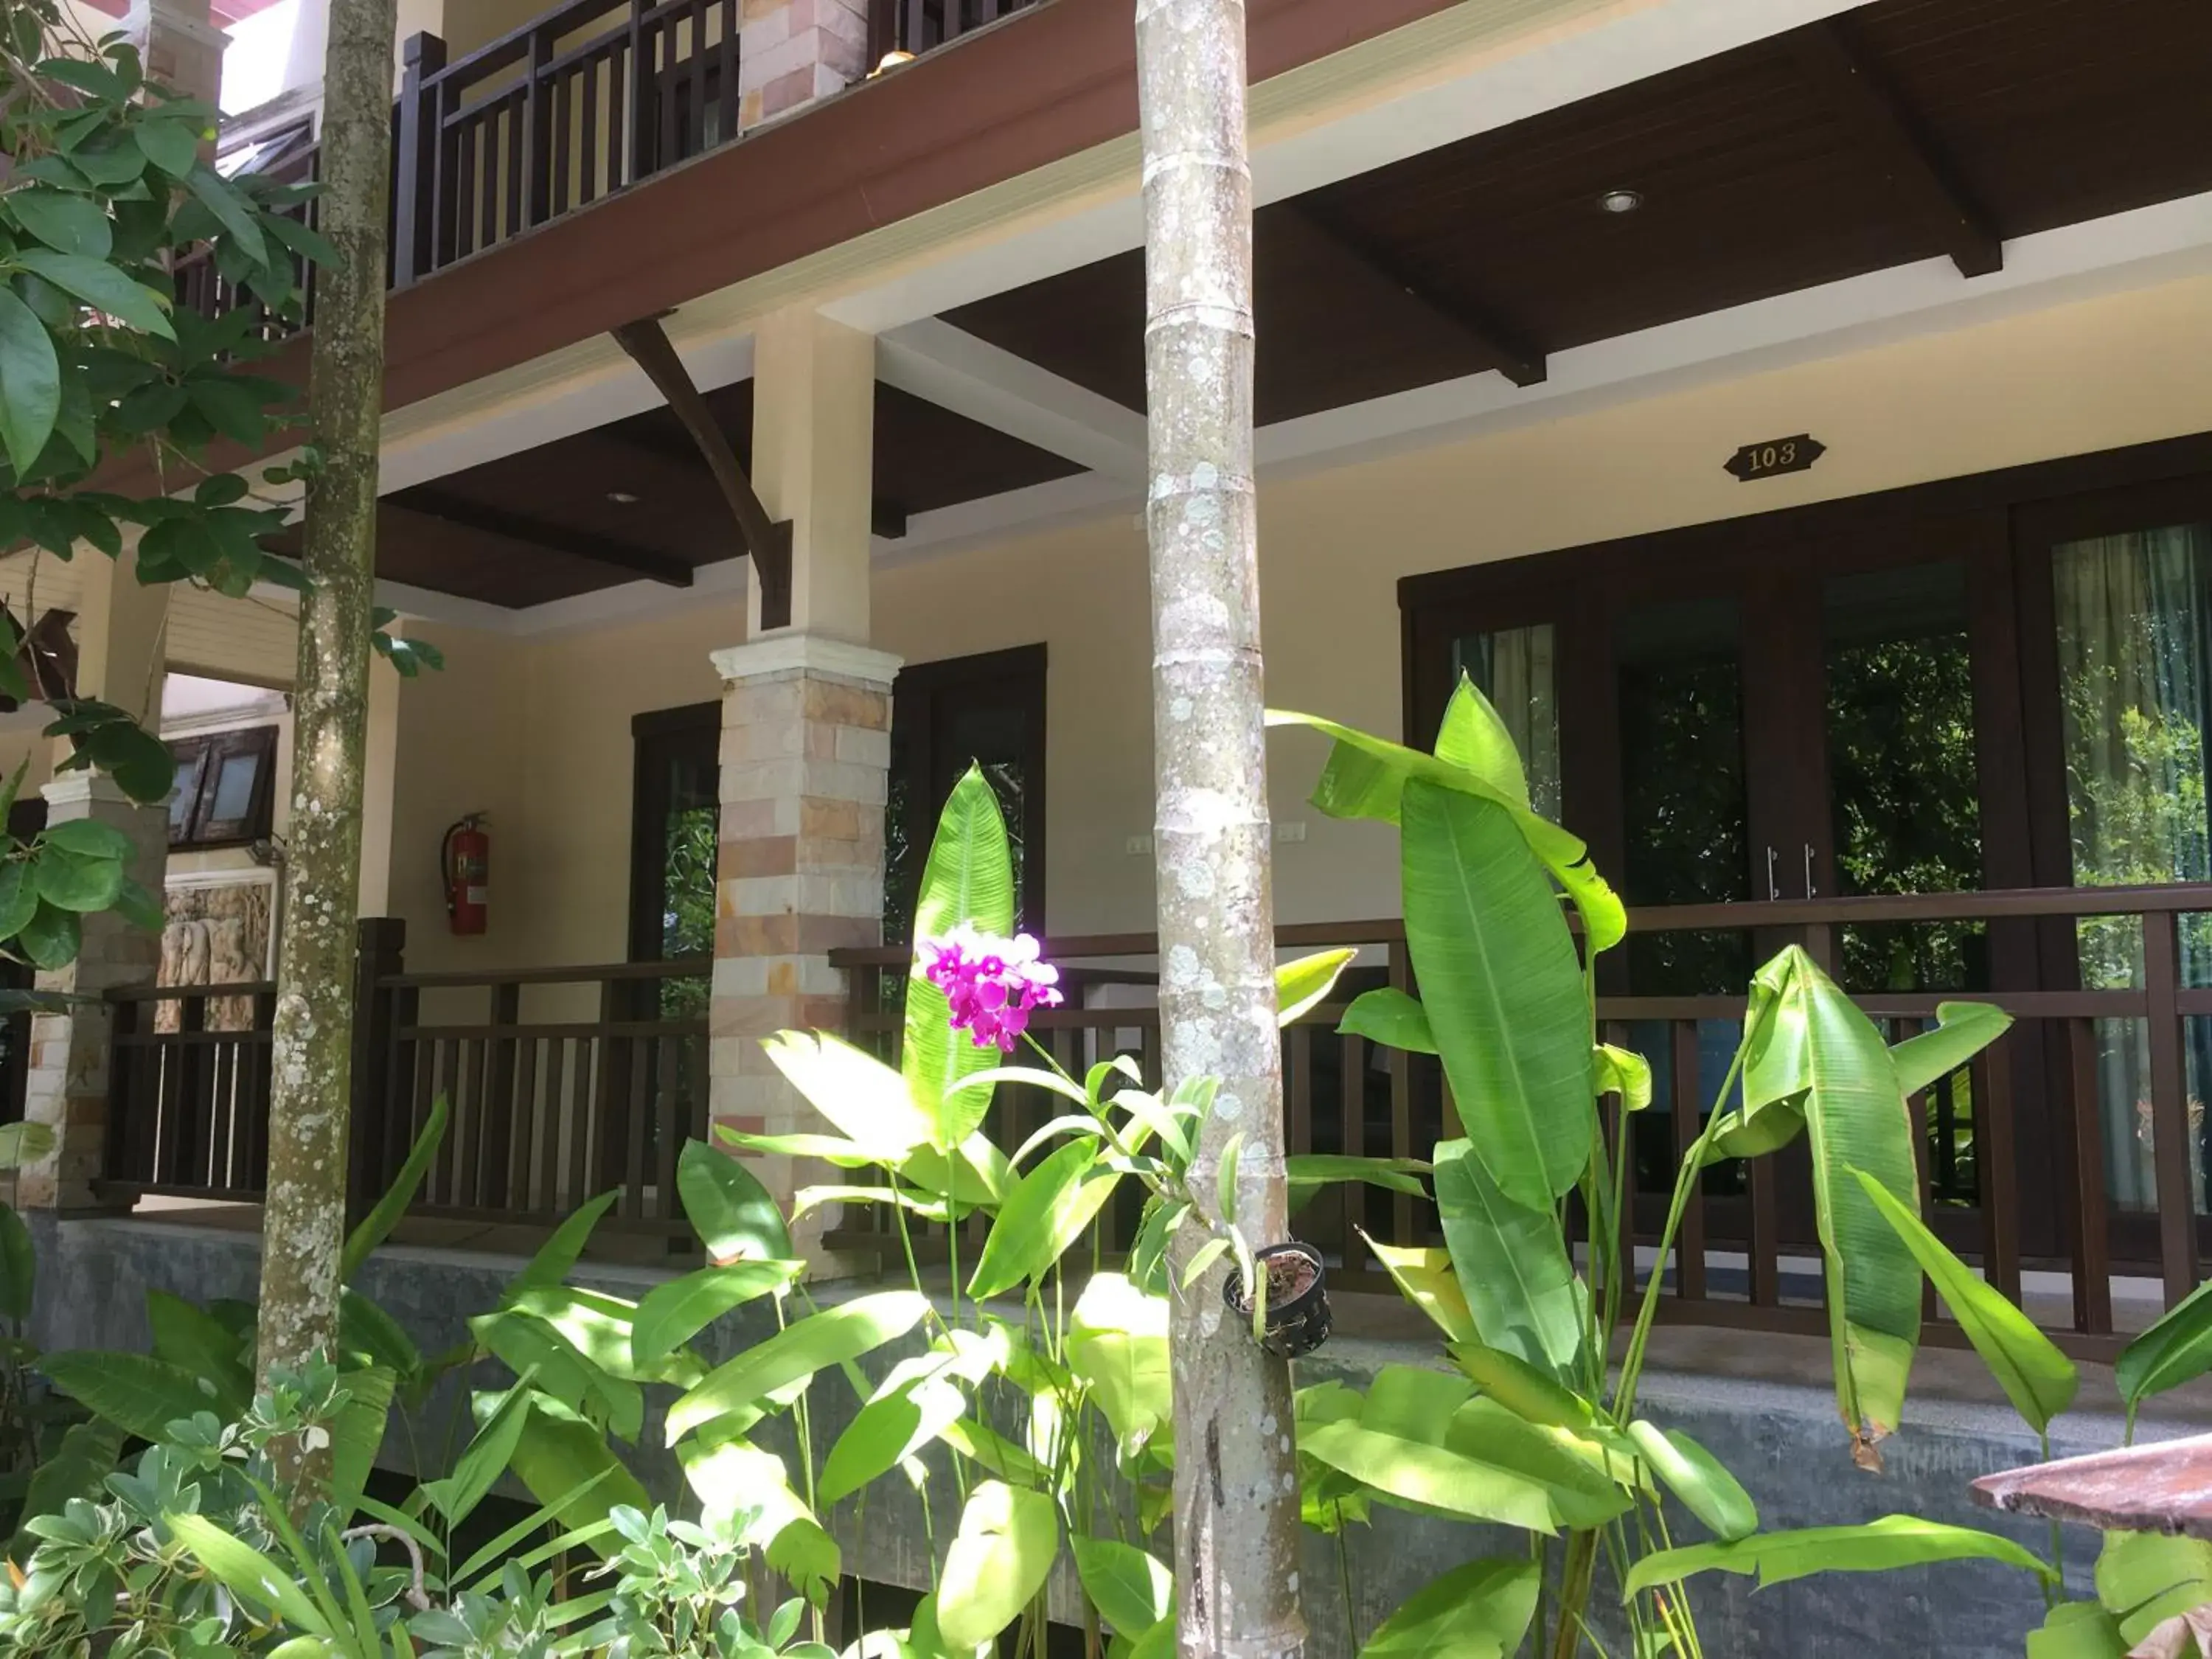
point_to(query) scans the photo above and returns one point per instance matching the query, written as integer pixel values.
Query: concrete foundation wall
(1782, 1439)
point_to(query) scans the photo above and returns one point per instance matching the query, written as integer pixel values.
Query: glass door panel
(1517, 670)
(2134, 628)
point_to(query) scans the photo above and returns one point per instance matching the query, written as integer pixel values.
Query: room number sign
(1773, 456)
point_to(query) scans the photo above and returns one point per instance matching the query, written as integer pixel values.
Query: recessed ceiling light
(1621, 201)
(622, 498)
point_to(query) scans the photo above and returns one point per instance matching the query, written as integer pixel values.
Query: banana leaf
(970, 878)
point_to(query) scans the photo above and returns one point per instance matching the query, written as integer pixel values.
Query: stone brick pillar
(793, 51)
(180, 44)
(119, 659)
(804, 760)
(67, 1086)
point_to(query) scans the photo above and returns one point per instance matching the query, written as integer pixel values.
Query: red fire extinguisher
(465, 861)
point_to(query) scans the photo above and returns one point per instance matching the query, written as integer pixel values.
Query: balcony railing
(586, 100)
(561, 1084)
(2014, 1149)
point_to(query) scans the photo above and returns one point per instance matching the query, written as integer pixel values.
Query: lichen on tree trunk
(1237, 1537)
(303, 1223)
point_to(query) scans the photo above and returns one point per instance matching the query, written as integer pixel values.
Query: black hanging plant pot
(1298, 1319)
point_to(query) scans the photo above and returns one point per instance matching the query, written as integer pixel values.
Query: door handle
(1773, 887)
(1809, 889)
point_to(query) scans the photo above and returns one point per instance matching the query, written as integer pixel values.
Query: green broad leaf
(830, 1149)
(970, 878)
(170, 145)
(1512, 1266)
(2077, 1629)
(248, 1574)
(2040, 1381)
(1521, 1387)
(231, 407)
(863, 1099)
(1307, 1173)
(530, 1348)
(1478, 1610)
(103, 287)
(885, 1433)
(19, 1265)
(829, 1338)
(1701, 1480)
(989, 1450)
(1202, 1258)
(1132, 1590)
(746, 1492)
(1590, 1483)
(302, 240)
(733, 1213)
(1224, 1177)
(1365, 777)
(370, 1336)
(73, 881)
(358, 1434)
(200, 1344)
(601, 1328)
(1962, 1030)
(1503, 990)
(1425, 1279)
(1412, 1401)
(1420, 1472)
(1117, 1344)
(76, 1468)
(139, 761)
(1046, 1212)
(90, 839)
(1625, 1073)
(65, 222)
(967, 881)
(139, 908)
(1473, 737)
(30, 383)
(567, 1466)
(557, 1256)
(231, 209)
(998, 1563)
(376, 1226)
(1303, 985)
(482, 1461)
(674, 1312)
(24, 1143)
(2146, 1578)
(1387, 1016)
(19, 896)
(139, 1394)
(2177, 1348)
(1882, 1546)
(51, 937)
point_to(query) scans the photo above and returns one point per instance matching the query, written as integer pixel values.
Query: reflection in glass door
(2134, 615)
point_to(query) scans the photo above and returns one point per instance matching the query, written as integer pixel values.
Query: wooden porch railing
(916, 26)
(561, 1084)
(2012, 1154)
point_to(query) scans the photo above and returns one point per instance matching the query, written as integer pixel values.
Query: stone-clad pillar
(791, 52)
(119, 659)
(805, 760)
(180, 44)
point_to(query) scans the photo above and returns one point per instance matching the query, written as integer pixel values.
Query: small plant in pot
(1290, 1317)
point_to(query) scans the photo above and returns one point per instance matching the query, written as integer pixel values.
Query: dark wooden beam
(1363, 270)
(886, 517)
(768, 544)
(1854, 88)
(432, 504)
(887, 520)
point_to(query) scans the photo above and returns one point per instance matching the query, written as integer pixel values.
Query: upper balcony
(583, 101)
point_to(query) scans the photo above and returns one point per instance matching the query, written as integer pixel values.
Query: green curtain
(2135, 664)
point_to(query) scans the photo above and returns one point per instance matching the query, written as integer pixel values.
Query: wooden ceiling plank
(1847, 79)
(1316, 241)
(768, 543)
(428, 503)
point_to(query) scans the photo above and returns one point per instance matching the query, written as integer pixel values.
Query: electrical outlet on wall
(1295, 830)
(1138, 847)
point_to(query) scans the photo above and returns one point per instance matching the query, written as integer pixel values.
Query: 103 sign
(1776, 456)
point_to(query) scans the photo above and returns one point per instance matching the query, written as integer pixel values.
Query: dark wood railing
(916, 26)
(2012, 1154)
(561, 1084)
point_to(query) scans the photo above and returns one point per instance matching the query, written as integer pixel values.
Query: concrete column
(791, 52)
(379, 774)
(806, 757)
(814, 389)
(119, 661)
(181, 45)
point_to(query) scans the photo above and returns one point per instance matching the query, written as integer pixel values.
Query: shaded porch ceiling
(634, 499)
(1898, 132)
(1892, 134)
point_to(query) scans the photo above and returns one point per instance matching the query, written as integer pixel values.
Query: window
(987, 711)
(675, 842)
(226, 787)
